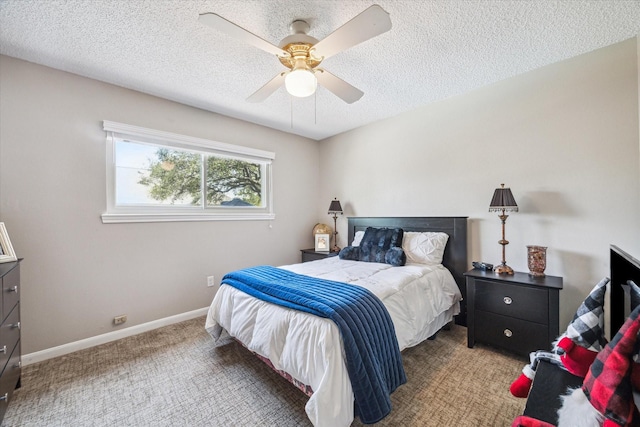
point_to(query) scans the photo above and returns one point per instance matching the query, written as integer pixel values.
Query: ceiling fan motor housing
(299, 46)
(299, 26)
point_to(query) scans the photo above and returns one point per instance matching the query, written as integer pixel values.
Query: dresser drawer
(9, 380)
(517, 335)
(9, 335)
(10, 291)
(522, 302)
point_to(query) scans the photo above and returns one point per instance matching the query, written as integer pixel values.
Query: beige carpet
(175, 376)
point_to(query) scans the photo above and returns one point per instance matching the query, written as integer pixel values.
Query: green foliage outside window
(174, 175)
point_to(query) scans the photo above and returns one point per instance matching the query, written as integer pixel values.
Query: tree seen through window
(177, 175)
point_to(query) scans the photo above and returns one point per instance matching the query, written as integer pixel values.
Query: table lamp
(335, 209)
(503, 201)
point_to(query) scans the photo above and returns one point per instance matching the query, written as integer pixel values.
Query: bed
(309, 351)
(551, 381)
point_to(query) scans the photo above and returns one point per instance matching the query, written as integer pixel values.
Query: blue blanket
(371, 348)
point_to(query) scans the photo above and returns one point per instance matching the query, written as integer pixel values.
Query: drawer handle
(5, 397)
(507, 300)
(508, 333)
(3, 349)
(14, 289)
(15, 325)
(18, 365)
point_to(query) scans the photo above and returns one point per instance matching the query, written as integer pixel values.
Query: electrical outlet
(118, 320)
(210, 281)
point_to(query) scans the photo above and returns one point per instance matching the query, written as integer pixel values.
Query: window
(159, 176)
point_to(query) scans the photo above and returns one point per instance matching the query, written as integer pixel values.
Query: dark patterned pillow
(350, 253)
(395, 256)
(376, 242)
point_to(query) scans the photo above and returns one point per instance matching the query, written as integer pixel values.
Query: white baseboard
(50, 353)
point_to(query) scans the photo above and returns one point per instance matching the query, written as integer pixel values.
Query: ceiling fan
(302, 54)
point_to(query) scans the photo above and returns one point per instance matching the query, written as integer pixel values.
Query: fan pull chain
(291, 108)
(315, 107)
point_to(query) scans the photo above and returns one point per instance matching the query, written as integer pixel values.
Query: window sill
(115, 218)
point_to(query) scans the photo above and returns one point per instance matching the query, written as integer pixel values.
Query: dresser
(10, 367)
(312, 255)
(517, 312)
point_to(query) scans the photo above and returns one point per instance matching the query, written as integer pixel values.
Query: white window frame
(120, 214)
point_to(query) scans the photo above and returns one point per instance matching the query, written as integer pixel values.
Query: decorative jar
(537, 260)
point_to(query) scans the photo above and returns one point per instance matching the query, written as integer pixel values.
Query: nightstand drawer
(522, 302)
(313, 255)
(526, 307)
(306, 257)
(512, 334)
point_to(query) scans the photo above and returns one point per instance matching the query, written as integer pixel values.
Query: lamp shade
(503, 200)
(301, 82)
(335, 207)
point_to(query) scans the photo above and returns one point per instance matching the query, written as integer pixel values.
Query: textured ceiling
(435, 50)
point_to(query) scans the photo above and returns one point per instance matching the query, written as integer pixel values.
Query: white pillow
(357, 238)
(424, 248)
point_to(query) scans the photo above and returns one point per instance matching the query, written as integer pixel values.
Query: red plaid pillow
(614, 375)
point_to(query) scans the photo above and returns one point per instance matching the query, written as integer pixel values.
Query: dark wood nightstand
(312, 255)
(518, 312)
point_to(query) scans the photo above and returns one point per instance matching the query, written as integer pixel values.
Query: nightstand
(312, 255)
(517, 312)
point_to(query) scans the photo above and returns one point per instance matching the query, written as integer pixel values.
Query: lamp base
(335, 248)
(503, 269)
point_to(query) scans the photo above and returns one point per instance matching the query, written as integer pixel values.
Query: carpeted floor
(175, 376)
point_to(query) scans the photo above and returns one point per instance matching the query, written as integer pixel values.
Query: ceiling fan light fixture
(302, 54)
(301, 82)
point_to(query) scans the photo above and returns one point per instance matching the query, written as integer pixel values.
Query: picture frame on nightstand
(322, 242)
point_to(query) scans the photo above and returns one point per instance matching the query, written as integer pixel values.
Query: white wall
(79, 273)
(564, 138)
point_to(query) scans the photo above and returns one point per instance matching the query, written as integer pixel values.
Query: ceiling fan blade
(368, 24)
(265, 91)
(338, 87)
(219, 23)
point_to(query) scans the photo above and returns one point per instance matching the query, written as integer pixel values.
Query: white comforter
(419, 298)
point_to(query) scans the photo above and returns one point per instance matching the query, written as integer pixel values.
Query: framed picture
(322, 242)
(6, 250)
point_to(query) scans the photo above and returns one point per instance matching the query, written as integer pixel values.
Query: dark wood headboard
(455, 254)
(623, 267)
